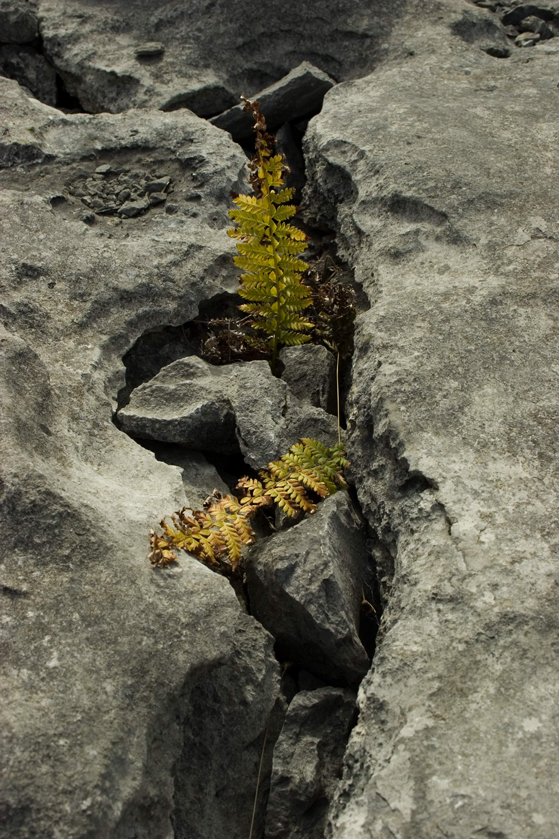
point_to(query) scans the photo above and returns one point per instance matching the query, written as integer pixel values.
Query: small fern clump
(269, 247)
(216, 535)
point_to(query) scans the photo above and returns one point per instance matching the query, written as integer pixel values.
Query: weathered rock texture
(426, 168)
(438, 172)
(305, 586)
(212, 52)
(308, 763)
(224, 409)
(109, 666)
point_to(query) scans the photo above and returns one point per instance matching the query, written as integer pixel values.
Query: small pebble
(150, 49)
(157, 198)
(535, 25)
(171, 209)
(105, 169)
(527, 39)
(160, 185)
(132, 209)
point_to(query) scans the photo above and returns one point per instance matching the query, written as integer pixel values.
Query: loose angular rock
(222, 409)
(541, 10)
(537, 26)
(298, 94)
(310, 373)
(26, 66)
(308, 763)
(132, 209)
(151, 49)
(527, 39)
(305, 587)
(189, 402)
(205, 100)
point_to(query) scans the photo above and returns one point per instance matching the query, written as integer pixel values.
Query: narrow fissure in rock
(324, 636)
(316, 691)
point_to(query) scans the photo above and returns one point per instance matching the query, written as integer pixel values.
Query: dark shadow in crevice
(66, 101)
(417, 483)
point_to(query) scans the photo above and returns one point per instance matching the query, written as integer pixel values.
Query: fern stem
(258, 780)
(338, 397)
(277, 272)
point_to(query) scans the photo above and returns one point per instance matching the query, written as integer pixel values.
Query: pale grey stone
(150, 49)
(213, 53)
(224, 409)
(452, 420)
(305, 587)
(310, 373)
(108, 665)
(189, 402)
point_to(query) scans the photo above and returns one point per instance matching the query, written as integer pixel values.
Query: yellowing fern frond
(217, 534)
(269, 247)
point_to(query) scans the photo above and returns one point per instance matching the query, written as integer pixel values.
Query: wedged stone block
(298, 94)
(308, 762)
(305, 587)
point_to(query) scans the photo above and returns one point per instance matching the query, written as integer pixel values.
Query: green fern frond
(269, 247)
(283, 196)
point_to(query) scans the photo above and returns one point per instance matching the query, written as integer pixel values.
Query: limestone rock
(453, 410)
(18, 22)
(109, 665)
(212, 53)
(308, 763)
(30, 69)
(297, 95)
(305, 587)
(188, 402)
(201, 406)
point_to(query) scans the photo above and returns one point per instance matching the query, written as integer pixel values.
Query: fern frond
(287, 230)
(217, 534)
(269, 246)
(283, 196)
(284, 212)
(249, 203)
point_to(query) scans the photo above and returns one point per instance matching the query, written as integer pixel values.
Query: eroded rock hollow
(164, 703)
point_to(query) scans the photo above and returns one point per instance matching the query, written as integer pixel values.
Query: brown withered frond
(333, 308)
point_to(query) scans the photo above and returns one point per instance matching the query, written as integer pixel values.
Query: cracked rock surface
(453, 410)
(308, 762)
(136, 701)
(207, 54)
(106, 665)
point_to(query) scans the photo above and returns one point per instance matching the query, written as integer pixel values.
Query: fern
(217, 534)
(269, 247)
